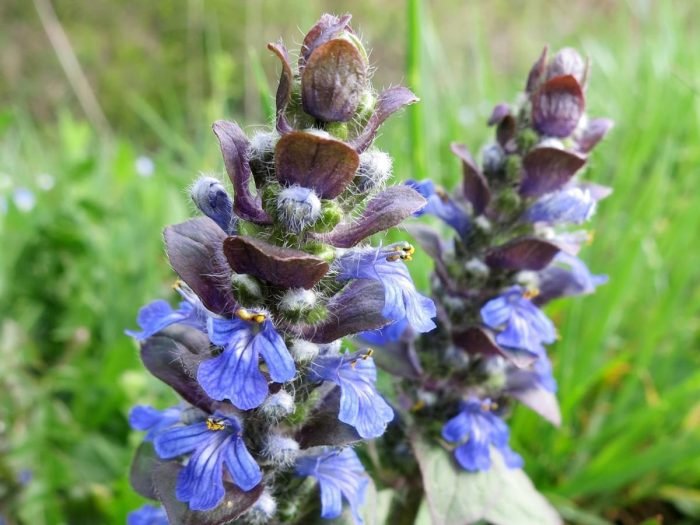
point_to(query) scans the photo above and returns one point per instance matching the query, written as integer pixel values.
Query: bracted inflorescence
(271, 280)
(516, 221)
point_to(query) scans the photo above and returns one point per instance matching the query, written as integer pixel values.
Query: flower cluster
(516, 217)
(272, 278)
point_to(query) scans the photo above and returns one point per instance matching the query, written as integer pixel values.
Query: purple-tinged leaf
(557, 106)
(536, 72)
(399, 358)
(477, 340)
(389, 102)
(505, 133)
(141, 472)
(172, 361)
(594, 133)
(195, 251)
(474, 186)
(327, 28)
(333, 81)
(499, 112)
(384, 211)
(284, 88)
(277, 265)
(357, 308)
(234, 148)
(526, 253)
(235, 502)
(323, 164)
(323, 428)
(548, 169)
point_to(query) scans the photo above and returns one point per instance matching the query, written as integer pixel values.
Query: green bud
(527, 139)
(246, 289)
(331, 215)
(338, 130)
(324, 251)
(513, 168)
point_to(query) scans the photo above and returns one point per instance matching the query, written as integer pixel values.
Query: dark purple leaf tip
(276, 265)
(499, 112)
(323, 164)
(526, 253)
(548, 169)
(384, 211)
(234, 148)
(557, 106)
(474, 186)
(284, 88)
(195, 250)
(593, 134)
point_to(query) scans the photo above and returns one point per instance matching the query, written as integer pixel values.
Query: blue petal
(235, 374)
(511, 458)
(147, 515)
(457, 428)
(221, 331)
(148, 418)
(331, 501)
(241, 465)
(270, 345)
(571, 205)
(180, 440)
(442, 206)
(383, 336)
(496, 312)
(200, 483)
(474, 455)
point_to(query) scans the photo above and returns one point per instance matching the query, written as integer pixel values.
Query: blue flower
(475, 429)
(148, 418)
(214, 443)
(147, 515)
(360, 404)
(401, 299)
(388, 334)
(340, 475)
(235, 374)
(568, 275)
(571, 205)
(442, 206)
(158, 315)
(523, 326)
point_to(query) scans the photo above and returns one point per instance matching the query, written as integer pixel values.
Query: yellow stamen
(177, 284)
(247, 315)
(417, 405)
(531, 293)
(215, 424)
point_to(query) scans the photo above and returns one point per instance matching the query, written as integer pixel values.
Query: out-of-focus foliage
(76, 265)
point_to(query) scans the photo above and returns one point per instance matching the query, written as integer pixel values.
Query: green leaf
(501, 495)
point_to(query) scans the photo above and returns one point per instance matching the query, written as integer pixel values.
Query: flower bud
(280, 450)
(568, 62)
(298, 208)
(374, 171)
(213, 200)
(493, 159)
(263, 511)
(303, 351)
(261, 153)
(297, 302)
(246, 289)
(477, 268)
(278, 405)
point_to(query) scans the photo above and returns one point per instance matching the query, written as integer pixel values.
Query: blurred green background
(105, 113)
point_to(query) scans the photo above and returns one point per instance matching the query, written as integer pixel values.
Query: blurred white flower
(45, 181)
(144, 166)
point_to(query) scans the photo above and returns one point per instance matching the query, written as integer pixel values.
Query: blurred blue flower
(213, 443)
(24, 199)
(147, 515)
(442, 206)
(570, 205)
(143, 417)
(235, 374)
(523, 326)
(340, 475)
(475, 429)
(401, 299)
(567, 275)
(388, 334)
(361, 405)
(144, 166)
